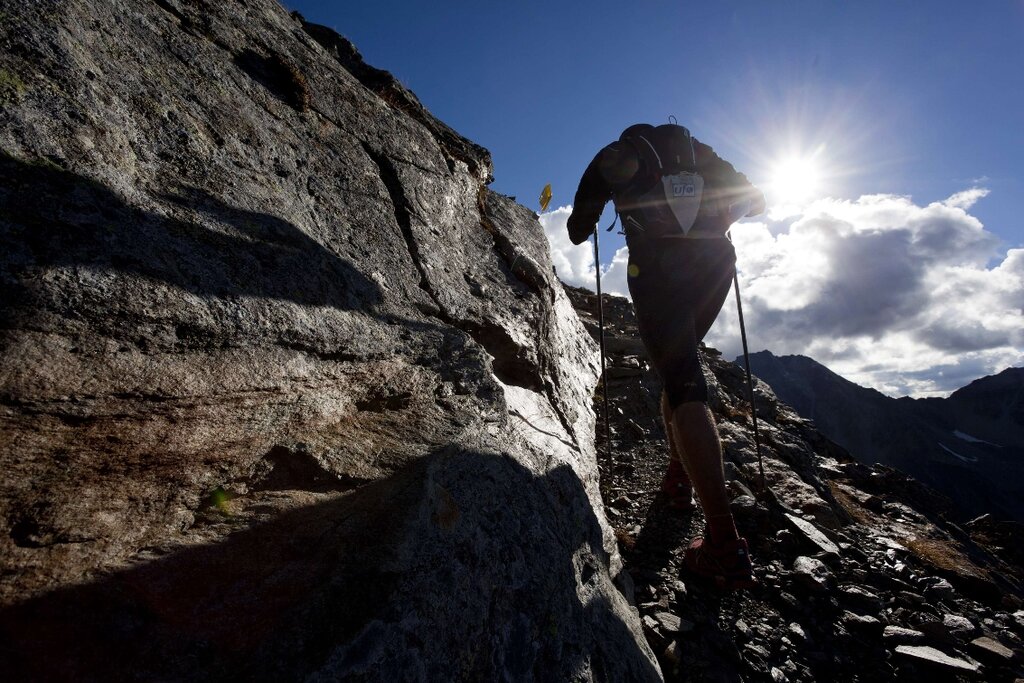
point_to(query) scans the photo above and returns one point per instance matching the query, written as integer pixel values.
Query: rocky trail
(287, 392)
(862, 575)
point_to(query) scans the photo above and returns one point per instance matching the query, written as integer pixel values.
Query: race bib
(682, 194)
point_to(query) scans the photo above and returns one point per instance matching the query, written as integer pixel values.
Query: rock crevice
(288, 393)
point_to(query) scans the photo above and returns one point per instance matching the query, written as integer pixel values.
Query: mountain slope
(863, 576)
(969, 446)
(286, 393)
(992, 408)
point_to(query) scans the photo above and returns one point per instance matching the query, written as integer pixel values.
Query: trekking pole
(750, 381)
(604, 380)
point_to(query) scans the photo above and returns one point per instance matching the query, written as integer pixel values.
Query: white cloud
(905, 298)
(887, 293)
(966, 199)
(574, 263)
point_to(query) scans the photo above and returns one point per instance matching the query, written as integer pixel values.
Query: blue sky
(918, 100)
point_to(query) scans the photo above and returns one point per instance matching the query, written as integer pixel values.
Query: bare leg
(673, 443)
(702, 454)
(676, 484)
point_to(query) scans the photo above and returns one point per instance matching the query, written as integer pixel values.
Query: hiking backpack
(662, 197)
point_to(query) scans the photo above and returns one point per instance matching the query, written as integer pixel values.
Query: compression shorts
(678, 288)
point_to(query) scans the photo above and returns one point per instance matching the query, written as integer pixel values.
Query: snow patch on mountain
(970, 439)
(952, 452)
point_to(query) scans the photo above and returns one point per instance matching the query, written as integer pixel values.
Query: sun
(795, 180)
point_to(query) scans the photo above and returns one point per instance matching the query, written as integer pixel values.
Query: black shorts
(678, 288)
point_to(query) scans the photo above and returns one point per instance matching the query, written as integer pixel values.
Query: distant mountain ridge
(994, 406)
(969, 446)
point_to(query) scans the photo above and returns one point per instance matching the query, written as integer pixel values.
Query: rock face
(285, 391)
(862, 574)
(970, 446)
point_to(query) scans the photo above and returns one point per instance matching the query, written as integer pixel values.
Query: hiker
(676, 199)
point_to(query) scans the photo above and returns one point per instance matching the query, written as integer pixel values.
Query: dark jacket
(610, 177)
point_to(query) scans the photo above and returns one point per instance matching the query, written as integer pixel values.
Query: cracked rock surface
(285, 391)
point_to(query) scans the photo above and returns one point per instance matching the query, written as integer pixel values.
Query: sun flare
(795, 180)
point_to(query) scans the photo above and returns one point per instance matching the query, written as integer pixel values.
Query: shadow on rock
(463, 566)
(52, 217)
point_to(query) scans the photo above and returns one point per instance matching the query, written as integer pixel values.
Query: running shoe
(728, 565)
(677, 487)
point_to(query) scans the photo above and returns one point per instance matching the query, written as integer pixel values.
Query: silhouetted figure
(676, 199)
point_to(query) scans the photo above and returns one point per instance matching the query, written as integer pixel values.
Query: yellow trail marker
(545, 197)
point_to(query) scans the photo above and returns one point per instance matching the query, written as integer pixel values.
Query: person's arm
(591, 196)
